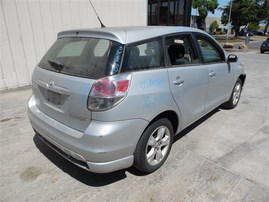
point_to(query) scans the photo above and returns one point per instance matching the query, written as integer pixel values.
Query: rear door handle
(212, 73)
(179, 81)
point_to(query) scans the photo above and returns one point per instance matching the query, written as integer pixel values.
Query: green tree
(243, 12)
(203, 7)
(253, 26)
(264, 13)
(215, 25)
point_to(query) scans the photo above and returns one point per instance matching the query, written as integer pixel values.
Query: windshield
(84, 57)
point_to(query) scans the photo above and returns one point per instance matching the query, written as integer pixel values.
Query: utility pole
(229, 23)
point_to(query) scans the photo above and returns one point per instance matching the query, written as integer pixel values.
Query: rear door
(65, 75)
(188, 80)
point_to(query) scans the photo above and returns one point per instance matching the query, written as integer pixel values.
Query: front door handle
(212, 74)
(179, 81)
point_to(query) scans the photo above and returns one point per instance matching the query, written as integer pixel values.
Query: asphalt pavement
(222, 157)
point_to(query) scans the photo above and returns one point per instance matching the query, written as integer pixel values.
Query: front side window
(143, 55)
(209, 52)
(83, 57)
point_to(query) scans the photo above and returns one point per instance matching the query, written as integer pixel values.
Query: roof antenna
(102, 25)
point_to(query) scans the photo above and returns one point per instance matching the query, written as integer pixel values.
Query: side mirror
(232, 58)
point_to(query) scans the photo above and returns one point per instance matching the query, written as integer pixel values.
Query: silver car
(110, 98)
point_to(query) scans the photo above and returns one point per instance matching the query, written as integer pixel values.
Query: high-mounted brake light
(108, 92)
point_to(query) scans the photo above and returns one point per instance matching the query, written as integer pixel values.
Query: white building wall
(29, 27)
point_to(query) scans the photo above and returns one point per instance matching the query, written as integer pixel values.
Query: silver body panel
(103, 146)
(73, 91)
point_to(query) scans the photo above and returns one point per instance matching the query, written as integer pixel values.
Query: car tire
(154, 146)
(235, 96)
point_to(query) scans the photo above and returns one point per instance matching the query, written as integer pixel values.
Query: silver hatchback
(110, 98)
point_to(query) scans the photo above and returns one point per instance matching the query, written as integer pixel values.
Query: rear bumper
(103, 147)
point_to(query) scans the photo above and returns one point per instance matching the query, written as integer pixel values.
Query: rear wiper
(56, 65)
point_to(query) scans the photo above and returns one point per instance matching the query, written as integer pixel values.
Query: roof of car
(127, 35)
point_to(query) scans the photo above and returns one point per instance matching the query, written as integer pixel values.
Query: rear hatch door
(63, 97)
(64, 77)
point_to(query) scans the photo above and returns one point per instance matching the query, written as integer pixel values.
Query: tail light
(109, 91)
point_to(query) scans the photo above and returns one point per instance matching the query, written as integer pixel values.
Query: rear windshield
(84, 57)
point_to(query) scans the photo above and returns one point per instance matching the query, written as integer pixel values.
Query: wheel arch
(171, 116)
(140, 160)
(242, 77)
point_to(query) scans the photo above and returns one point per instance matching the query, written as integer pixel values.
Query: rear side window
(180, 50)
(83, 57)
(143, 55)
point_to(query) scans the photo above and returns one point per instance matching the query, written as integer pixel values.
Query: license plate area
(53, 97)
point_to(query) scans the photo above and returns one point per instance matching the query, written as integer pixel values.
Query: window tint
(101, 48)
(143, 55)
(72, 49)
(209, 52)
(84, 57)
(180, 50)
